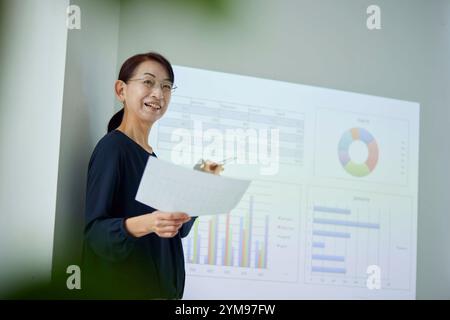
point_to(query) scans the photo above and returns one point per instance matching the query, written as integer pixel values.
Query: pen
(226, 160)
(201, 164)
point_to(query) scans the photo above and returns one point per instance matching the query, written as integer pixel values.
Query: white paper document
(169, 187)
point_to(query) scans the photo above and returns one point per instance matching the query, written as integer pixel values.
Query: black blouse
(116, 264)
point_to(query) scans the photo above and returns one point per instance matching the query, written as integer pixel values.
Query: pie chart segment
(358, 169)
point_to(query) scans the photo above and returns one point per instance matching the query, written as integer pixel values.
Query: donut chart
(352, 167)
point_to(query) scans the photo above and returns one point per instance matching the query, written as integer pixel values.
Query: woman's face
(147, 93)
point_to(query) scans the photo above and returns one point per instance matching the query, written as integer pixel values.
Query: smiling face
(144, 101)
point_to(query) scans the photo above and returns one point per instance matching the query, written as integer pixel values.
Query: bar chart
(348, 231)
(252, 231)
(256, 240)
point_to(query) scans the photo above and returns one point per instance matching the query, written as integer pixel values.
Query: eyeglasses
(166, 86)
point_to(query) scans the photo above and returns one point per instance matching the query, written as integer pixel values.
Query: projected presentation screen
(331, 211)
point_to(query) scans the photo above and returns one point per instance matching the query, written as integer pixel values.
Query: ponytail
(116, 120)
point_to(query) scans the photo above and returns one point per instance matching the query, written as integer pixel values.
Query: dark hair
(127, 71)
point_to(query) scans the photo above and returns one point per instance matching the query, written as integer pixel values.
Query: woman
(132, 250)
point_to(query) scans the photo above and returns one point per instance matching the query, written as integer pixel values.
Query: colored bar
(195, 256)
(266, 243)
(347, 223)
(230, 249)
(327, 269)
(325, 257)
(212, 241)
(232, 257)
(241, 243)
(227, 242)
(331, 234)
(224, 250)
(249, 231)
(256, 255)
(331, 210)
(189, 248)
(318, 244)
(216, 238)
(260, 260)
(244, 249)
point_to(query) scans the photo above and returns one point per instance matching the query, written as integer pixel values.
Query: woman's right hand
(167, 224)
(164, 224)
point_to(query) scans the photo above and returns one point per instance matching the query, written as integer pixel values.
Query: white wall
(88, 105)
(326, 43)
(433, 277)
(33, 50)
